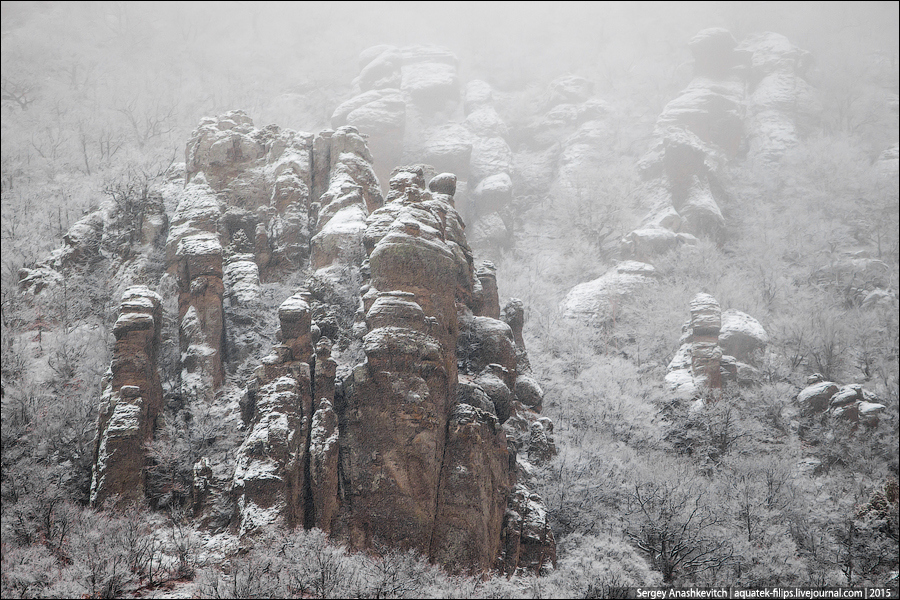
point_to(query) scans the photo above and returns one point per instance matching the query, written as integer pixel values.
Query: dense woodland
(98, 100)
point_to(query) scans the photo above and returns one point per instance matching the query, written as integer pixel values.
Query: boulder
(529, 392)
(490, 231)
(599, 300)
(816, 397)
(514, 316)
(493, 382)
(382, 71)
(869, 412)
(741, 335)
(241, 280)
(444, 183)
(489, 299)
(647, 242)
(492, 194)
(430, 84)
(485, 122)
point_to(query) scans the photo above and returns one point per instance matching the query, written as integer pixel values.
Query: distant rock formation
(782, 107)
(718, 347)
(851, 402)
(408, 104)
(601, 300)
(398, 90)
(745, 99)
(696, 133)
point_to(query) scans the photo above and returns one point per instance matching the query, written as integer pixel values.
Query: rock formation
(399, 87)
(133, 230)
(131, 400)
(747, 98)
(601, 300)
(408, 103)
(272, 463)
(395, 406)
(401, 450)
(425, 459)
(851, 402)
(718, 347)
(696, 133)
(782, 106)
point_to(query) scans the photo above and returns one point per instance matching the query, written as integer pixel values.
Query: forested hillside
(451, 300)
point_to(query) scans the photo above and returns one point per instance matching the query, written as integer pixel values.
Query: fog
(214, 56)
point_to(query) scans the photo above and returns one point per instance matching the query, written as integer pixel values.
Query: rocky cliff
(131, 400)
(394, 406)
(747, 100)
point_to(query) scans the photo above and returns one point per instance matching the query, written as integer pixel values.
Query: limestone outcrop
(271, 471)
(697, 133)
(391, 452)
(397, 89)
(600, 300)
(131, 400)
(782, 106)
(718, 348)
(396, 405)
(257, 203)
(851, 402)
(423, 415)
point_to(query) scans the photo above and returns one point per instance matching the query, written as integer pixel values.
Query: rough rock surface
(706, 356)
(719, 348)
(257, 203)
(425, 459)
(408, 447)
(852, 402)
(600, 300)
(527, 540)
(131, 400)
(783, 107)
(271, 471)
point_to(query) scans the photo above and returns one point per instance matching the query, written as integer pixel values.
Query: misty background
(91, 86)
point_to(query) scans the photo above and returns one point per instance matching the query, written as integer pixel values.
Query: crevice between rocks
(309, 506)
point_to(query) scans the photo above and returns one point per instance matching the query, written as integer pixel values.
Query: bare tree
(674, 523)
(20, 93)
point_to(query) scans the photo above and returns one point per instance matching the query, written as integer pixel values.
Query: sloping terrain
(515, 318)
